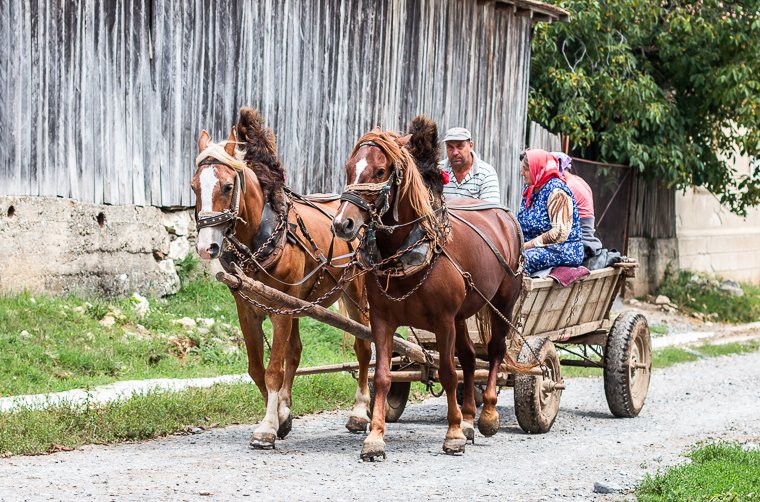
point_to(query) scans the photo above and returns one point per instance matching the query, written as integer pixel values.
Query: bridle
(375, 198)
(228, 215)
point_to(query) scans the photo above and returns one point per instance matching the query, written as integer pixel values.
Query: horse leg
(488, 424)
(292, 360)
(466, 355)
(359, 418)
(265, 434)
(253, 334)
(382, 332)
(445, 337)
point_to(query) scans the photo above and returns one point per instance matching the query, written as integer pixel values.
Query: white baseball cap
(457, 134)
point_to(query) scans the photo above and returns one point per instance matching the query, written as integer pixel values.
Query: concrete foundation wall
(654, 256)
(713, 240)
(56, 245)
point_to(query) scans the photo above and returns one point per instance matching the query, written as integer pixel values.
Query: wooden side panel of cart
(559, 313)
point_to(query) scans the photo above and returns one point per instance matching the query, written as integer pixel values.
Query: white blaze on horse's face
(210, 239)
(358, 170)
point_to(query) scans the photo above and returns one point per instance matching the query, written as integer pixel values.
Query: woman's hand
(529, 245)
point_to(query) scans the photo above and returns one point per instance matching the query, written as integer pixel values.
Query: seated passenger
(585, 201)
(548, 215)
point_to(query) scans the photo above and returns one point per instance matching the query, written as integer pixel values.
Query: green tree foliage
(670, 87)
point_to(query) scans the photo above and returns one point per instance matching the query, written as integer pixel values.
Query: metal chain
(298, 310)
(471, 283)
(246, 259)
(407, 295)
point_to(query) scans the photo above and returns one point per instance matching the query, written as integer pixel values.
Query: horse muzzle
(209, 244)
(346, 228)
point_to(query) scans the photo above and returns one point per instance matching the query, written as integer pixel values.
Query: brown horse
(246, 216)
(478, 263)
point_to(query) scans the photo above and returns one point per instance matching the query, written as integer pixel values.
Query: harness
(228, 215)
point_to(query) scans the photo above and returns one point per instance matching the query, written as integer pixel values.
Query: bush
(699, 293)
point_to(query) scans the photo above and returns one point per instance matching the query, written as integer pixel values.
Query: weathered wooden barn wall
(103, 101)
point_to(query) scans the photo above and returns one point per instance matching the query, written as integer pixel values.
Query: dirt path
(708, 399)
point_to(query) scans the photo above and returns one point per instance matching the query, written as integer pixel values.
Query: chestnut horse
(246, 216)
(475, 265)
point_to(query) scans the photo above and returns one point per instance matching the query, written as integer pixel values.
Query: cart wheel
(536, 398)
(627, 364)
(478, 395)
(398, 395)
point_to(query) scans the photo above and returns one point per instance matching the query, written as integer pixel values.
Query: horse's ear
(230, 146)
(403, 140)
(203, 140)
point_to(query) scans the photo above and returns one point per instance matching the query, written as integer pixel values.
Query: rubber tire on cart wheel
(535, 408)
(627, 364)
(478, 395)
(398, 395)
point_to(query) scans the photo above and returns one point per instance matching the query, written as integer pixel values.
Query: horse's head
(219, 184)
(374, 171)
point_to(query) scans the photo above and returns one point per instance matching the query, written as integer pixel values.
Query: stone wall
(56, 245)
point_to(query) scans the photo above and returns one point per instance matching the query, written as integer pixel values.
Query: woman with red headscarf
(548, 215)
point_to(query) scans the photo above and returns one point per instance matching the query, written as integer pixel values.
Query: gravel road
(708, 399)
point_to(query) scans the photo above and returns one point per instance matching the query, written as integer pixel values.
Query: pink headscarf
(543, 167)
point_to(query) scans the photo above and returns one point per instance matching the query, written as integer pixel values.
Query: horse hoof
(263, 441)
(373, 451)
(488, 425)
(469, 432)
(285, 427)
(454, 446)
(357, 425)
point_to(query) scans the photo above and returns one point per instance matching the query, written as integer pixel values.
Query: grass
(701, 295)
(717, 472)
(670, 356)
(158, 414)
(52, 344)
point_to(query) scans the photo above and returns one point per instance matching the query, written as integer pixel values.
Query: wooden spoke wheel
(537, 397)
(627, 364)
(398, 395)
(479, 389)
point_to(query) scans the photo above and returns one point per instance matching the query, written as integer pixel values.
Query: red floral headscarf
(543, 167)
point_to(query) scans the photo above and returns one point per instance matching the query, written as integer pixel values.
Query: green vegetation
(699, 294)
(669, 88)
(669, 356)
(660, 329)
(717, 472)
(52, 344)
(158, 414)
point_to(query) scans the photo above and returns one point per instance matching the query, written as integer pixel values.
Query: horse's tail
(260, 147)
(424, 149)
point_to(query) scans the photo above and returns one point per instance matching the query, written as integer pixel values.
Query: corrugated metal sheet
(104, 101)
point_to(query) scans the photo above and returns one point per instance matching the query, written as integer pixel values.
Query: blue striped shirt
(480, 182)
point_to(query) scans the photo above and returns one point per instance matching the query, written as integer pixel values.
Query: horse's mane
(424, 148)
(412, 183)
(259, 147)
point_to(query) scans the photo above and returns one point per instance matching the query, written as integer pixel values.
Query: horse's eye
(227, 188)
(380, 173)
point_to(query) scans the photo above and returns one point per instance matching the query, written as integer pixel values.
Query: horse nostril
(213, 249)
(348, 225)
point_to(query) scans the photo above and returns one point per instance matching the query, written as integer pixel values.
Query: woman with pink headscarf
(548, 215)
(585, 201)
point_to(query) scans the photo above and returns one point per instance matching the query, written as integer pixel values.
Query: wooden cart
(574, 320)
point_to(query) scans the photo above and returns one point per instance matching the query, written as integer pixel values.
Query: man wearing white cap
(469, 175)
